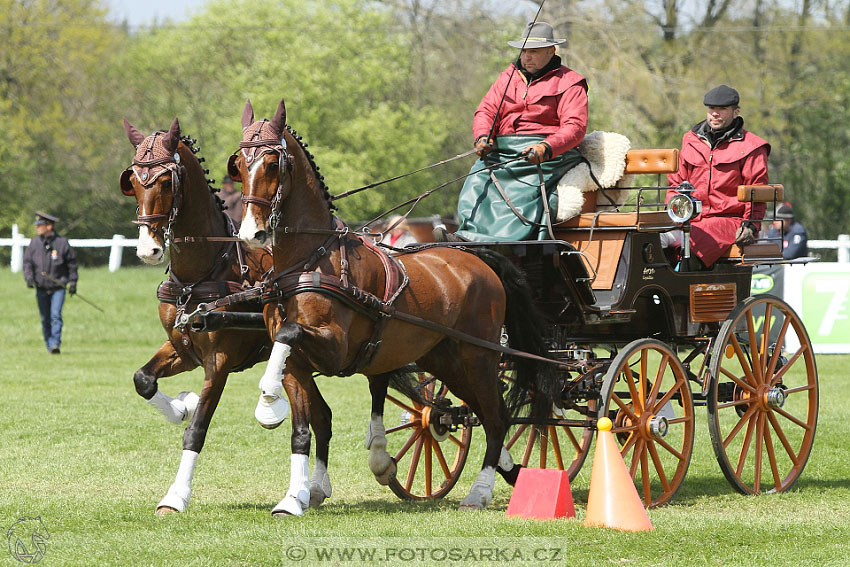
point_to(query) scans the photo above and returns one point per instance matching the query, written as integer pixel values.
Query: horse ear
(133, 134)
(125, 183)
(233, 170)
(247, 114)
(172, 137)
(279, 120)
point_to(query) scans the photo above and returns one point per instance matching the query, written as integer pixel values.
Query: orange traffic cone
(542, 494)
(613, 501)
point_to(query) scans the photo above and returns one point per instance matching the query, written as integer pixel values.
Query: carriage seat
(600, 235)
(760, 250)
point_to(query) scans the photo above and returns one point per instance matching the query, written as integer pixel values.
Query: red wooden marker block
(542, 494)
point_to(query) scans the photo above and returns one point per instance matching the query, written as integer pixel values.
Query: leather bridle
(252, 157)
(178, 173)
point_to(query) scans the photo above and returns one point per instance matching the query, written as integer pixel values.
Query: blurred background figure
(397, 233)
(232, 200)
(795, 240)
(49, 265)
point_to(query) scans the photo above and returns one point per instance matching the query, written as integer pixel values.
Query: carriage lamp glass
(682, 208)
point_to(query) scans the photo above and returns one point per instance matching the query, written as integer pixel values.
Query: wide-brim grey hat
(536, 35)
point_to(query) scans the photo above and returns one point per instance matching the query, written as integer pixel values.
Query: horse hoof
(318, 494)
(289, 506)
(469, 507)
(191, 399)
(165, 511)
(388, 474)
(271, 413)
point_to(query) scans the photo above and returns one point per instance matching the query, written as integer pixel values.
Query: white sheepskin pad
(606, 152)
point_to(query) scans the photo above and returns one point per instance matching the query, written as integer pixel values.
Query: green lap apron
(483, 213)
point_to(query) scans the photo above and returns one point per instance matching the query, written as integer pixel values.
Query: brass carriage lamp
(682, 208)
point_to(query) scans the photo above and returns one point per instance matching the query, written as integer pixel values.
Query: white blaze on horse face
(250, 228)
(148, 249)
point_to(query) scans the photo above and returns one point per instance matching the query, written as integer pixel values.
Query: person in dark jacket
(49, 265)
(795, 241)
(232, 201)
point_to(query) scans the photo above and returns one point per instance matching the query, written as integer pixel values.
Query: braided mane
(190, 142)
(312, 161)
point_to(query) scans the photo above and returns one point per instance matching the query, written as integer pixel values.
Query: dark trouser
(50, 306)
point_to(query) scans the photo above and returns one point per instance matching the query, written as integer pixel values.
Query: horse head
(157, 178)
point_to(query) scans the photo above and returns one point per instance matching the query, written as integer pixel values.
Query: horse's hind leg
(180, 492)
(166, 362)
(381, 463)
(320, 423)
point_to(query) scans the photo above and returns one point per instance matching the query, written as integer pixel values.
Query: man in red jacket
(718, 155)
(536, 110)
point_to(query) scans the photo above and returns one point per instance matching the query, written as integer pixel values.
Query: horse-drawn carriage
(623, 334)
(643, 343)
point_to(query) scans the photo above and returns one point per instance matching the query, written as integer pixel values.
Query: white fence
(116, 246)
(117, 243)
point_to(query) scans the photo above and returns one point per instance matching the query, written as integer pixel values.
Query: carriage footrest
(217, 320)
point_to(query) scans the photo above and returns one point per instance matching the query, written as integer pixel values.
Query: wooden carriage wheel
(430, 457)
(647, 396)
(563, 445)
(762, 396)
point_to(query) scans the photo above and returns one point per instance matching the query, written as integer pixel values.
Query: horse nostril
(260, 235)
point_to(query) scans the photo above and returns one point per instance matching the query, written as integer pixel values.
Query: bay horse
(334, 303)
(175, 204)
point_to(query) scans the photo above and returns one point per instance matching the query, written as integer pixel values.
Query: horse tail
(535, 381)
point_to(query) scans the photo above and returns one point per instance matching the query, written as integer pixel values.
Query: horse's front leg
(272, 408)
(166, 362)
(382, 465)
(179, 493)
(297, 497)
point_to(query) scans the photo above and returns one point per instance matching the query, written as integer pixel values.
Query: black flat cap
(44, 218)
(785, 211)
(721, 96)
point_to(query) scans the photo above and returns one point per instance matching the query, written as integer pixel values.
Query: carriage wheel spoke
(737, 380)
(637, 455)
(556, 446)
(670, 449)
(637, 399)
(407, 445)
(656, 387)
(745, 446)
(774, 468)
(778, 350)
(456, 441)
(783, 439)
(754, 344)
(441, 459)
(742, 360)
(659, 467)
(407, 425)
(792, 418)
(625, 407)
(758, 455)
(429, 446)
(414, 463)
(778, 376)
(644, 471)
(402, 405)
(529, 446)
(743, 402)
(544, 444)
(765, 336)
(739, 425)
(517, 434)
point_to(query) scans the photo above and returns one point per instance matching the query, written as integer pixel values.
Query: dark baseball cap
(721, 96)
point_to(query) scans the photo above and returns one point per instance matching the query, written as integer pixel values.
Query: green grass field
(80, 449)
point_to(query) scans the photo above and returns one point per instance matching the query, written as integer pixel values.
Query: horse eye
(166, 184)
(272, 165)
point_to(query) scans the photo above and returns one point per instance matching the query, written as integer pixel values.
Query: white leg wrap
(272, 408)
(180, 492)
(320, 485)
(173, 409)
(380, 462)
(297, 498)
(506, 462)
(481, 493)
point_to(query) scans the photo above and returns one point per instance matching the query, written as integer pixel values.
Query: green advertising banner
(826, 307)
